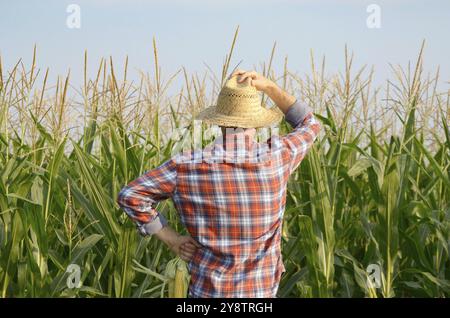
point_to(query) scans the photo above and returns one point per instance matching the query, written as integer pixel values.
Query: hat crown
(237, 99)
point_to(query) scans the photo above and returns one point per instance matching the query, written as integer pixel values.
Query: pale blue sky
(190, 33)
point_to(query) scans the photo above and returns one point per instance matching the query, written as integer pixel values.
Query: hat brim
(264, 118)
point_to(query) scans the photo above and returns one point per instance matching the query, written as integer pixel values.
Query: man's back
(234, 208)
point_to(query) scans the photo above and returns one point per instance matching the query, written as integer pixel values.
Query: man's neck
(238, 131)
(232, 135)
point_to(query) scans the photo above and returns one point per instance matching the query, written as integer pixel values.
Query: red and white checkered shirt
(232, 202)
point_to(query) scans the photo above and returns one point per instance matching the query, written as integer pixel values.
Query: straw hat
(239, 105)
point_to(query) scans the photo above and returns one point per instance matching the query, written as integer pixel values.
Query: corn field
(373, 192)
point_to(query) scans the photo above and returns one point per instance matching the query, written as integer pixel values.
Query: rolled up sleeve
(306, 129)
(139, 198)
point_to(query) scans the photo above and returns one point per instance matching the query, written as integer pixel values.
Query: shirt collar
(236, 140)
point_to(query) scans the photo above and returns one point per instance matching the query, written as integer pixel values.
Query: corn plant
(373, 192)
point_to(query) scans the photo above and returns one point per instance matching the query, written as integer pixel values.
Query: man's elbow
(123, 196)
(317, 125)
(320, 126)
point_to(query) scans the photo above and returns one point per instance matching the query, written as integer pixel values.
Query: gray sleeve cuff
(297, 113)
(156, 225)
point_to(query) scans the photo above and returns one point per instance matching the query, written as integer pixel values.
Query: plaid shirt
(232, 202)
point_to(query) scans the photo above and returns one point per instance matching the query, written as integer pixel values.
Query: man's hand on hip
(183, 246)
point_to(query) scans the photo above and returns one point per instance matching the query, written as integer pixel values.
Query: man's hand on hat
(254, 79)
(282, 99)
